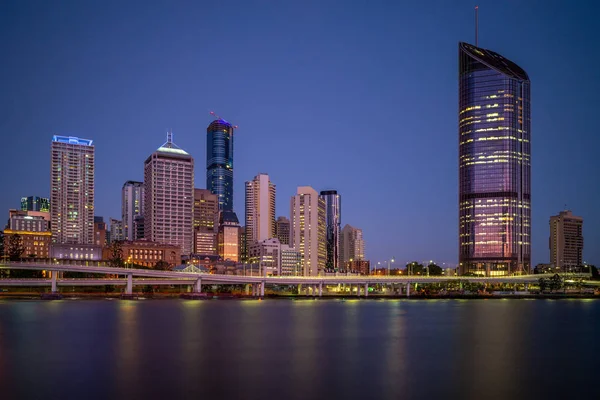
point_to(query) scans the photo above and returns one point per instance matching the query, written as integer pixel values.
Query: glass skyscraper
(494, 164)
(333, 216)
(219, 162)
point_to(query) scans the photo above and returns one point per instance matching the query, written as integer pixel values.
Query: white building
(132, 206)
(116, 229)
(169, 196)
(72, 190)
(291, 263)
(307, 233)
(260, 209)
(352, 246)
(266, 254)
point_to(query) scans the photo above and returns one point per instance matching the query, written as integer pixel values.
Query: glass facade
(494, 164)
(219, 162)
(333, 216)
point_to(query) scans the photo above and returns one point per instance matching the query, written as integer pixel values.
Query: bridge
(312, 284)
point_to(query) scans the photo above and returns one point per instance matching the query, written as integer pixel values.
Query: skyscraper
(99, 231)
(494, 164)
(260, 209)
(72, 190)
(116, 229)
(132, 206)
(352, 245)
(219, 162)
(206, 209)
(308, 235)
(35, 203)
(282, 230)
(229, 236)
(333, 220)
(566, 240)
(169, 196)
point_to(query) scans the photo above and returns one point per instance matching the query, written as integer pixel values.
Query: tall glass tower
(494, 164)
(219, 162)
(333, 217)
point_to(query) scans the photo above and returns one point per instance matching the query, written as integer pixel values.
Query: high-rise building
(132, 206)
(494, 164)
(260, 209)
(35, 203)
(138, 227)
(291, 263)
(307, 211)
(206, 211)
(352, 245)
(99, 231)
(169, 197)
(333, 220)
(229, 236)
(243, 247)
(282, 230)
(566, 240)
(116, 230)
(219, 162)
(72, 190)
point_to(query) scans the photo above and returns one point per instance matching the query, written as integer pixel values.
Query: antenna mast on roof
(170, 136)
(217, 117)
(476, 26)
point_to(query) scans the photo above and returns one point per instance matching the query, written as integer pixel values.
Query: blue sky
(356, 96)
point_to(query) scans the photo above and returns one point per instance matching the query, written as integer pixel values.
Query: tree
(116, 254)
(543, 282)
(15, 247)
(556, 282)
(414, 268)
(434, 269)
(162, 265)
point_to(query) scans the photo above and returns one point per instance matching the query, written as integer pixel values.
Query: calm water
(307, 349)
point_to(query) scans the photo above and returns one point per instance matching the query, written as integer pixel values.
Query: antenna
(476, 26)
(170, 136)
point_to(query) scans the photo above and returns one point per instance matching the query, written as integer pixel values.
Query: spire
(169, 138)
(476, 26)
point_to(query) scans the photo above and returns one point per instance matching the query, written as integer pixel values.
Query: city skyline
(361, 210)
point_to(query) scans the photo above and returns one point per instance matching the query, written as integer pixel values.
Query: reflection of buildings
(229, 236)
(333, 217)
(566, 240)
(132, 207)
(352, 244)
(494, 163)
(308, 229)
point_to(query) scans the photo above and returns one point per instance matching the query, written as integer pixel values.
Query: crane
(217, 117)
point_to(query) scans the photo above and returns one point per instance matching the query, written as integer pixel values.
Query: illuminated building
(31, 221)
(146, 253)
(566, 240)
(34, 203)
(66, 251)
(99, 231)
(266, 255)
(260, 209)
(282, 230)
(72, 190)
(352, 245)
(229, 236)
(169, 197)
(291, 262)
(219, 162)
(132, 206)
(206, 209)
(333, 220)
(307, 234)
(116, 229)
(494, 164)
(362, 267)
(36, 244)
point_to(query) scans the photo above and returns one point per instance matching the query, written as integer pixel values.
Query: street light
(392, 260)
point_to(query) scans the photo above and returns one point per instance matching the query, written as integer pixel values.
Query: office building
(291, 263)
(72, 190)
(35, 244)
(282, 230)
(116, 229)
(65, 251)
(229, 236)
(333, 220)
(169, 197)
(27, 221)
(494, 164)
(307, 234)
(132, 206)
(219, 162)
(147, 253)
(138, 227)
(35, 203)
(260, 209)
(266, 255)
(362, 267)
(206, 211)
(566, 240)
(99, 231)
(352, 245)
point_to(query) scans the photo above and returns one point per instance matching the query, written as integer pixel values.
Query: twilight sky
(357, 96)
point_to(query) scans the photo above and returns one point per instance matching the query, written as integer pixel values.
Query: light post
(390, 261)
(378, 263)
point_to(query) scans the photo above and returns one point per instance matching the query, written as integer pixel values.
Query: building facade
(307, 234)
(282, 230)
(99, 231)
(206, 211)
(352, 244)
(219, 162)
(362, 267)
(566, 240)
(494, 164)
(333, 220)
(169, 197)
(116, 229)
(83, 252)
(229, 236)
(266, 254)
(147, 253)
(35, 203)
(27, 221)
(291, 263)
(36, 244)
(260, 209)
(72, 190)
(132, 206)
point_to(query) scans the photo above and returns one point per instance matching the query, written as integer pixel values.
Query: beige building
(229, 236)
(307, 233)
(352, 245)
(206, 211)
(72, 190)
(169, 197)
(260, 209)
(146, 253)
(566, 240)
(266, 255)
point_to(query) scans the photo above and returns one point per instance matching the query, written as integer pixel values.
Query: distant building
(352, 244)
(260, 209)
(566, 240)
(291, 263)
(72, 190)
(116, 229)
(83, 252)
(266, 254)
(35, 203)
(333, 218)
(243, 245)
(99, 231)
(138, 227)
(36, 244)
(282, 230)
(147, 253)
(27, 221)
(307, 234)
(229, 236)
(362, 267)
(132, 207)
(169, 197)
(219, 162)
(206, 210)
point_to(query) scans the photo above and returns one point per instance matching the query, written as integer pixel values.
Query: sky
(356, 96)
